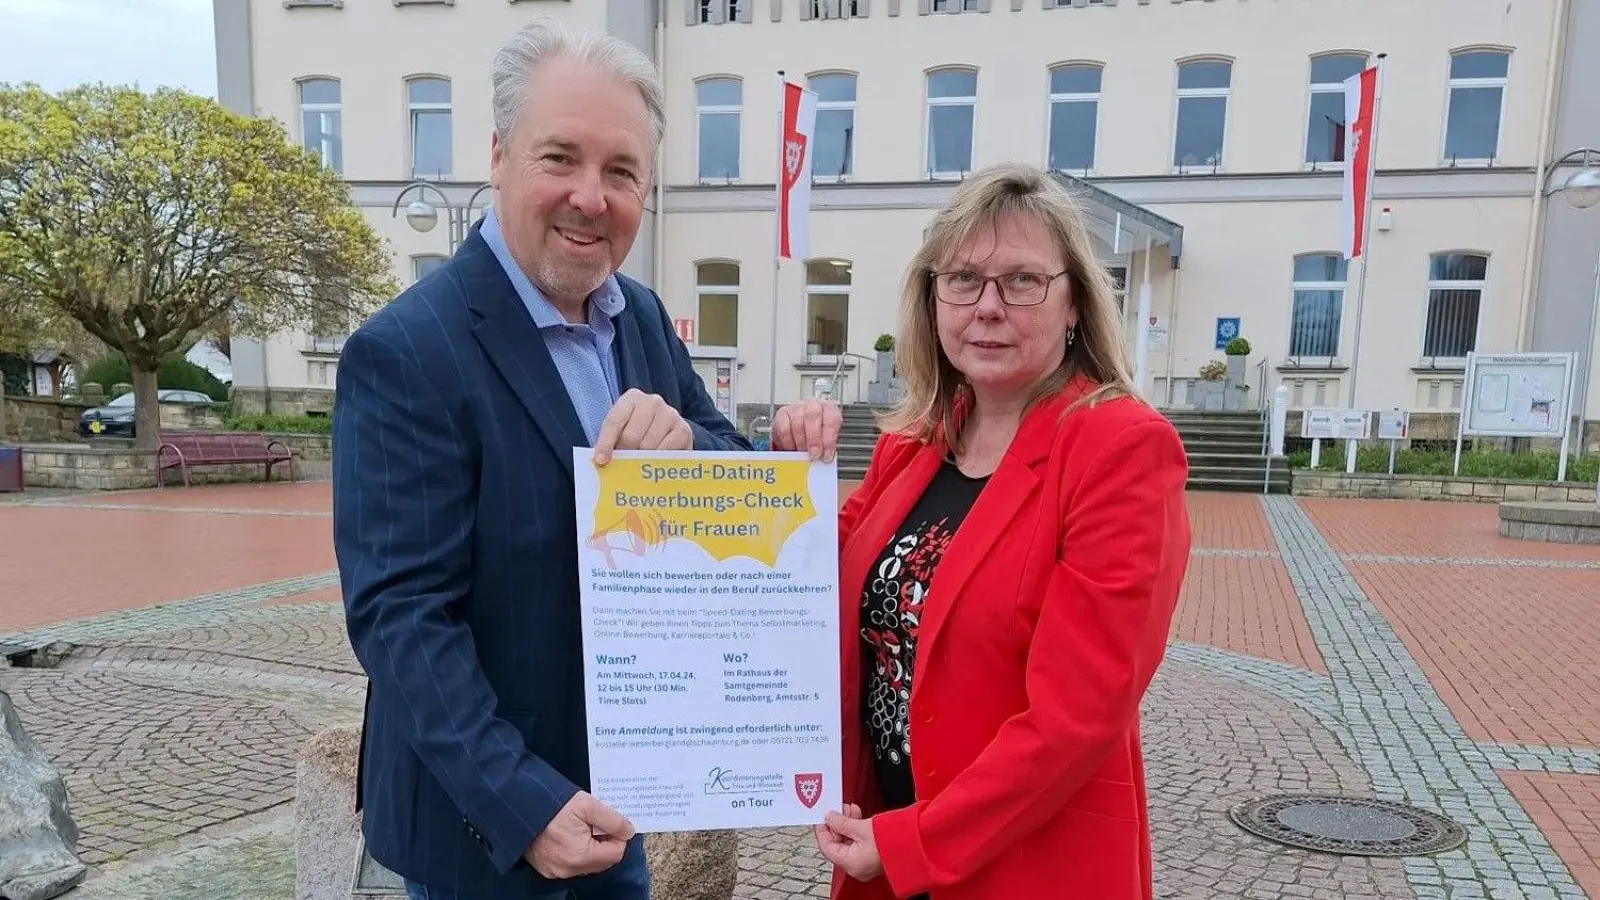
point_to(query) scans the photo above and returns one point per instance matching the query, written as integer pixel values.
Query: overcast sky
(151, 43)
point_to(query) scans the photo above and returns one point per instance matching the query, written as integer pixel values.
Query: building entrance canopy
(1123, 227)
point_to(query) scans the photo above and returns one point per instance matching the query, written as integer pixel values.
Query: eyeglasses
(1016, 288)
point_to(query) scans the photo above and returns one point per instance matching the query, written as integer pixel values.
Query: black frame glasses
(1011, 295)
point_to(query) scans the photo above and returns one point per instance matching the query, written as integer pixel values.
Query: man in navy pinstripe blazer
(457, 409)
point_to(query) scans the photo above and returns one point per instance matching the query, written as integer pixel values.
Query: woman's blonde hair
(933, 386)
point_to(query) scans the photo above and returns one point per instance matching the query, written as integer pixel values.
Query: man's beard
(570, 279)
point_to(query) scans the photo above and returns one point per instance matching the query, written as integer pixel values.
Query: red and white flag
(1360, 98)
(794, 171)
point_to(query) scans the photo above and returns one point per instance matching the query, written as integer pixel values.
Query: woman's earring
(1072, 334)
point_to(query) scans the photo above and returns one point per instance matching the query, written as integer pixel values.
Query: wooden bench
(183, 449)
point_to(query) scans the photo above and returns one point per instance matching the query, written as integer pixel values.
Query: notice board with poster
(1517, 394)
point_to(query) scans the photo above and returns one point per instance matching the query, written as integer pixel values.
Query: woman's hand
(846, 841)
(808, 425)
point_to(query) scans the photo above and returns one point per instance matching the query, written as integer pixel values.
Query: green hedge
(282, 424)
(175, 374)
(1541, 466)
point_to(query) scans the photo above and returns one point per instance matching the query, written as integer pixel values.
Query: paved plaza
(1387, 649)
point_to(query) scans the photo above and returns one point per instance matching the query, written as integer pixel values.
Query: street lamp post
(1582, 191)
(422, 216)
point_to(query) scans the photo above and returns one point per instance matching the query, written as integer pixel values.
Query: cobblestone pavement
(1366, 648)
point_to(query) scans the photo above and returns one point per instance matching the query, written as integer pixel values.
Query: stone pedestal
(38, 838)
(697, 865)
(327, 830)
(1561, 523)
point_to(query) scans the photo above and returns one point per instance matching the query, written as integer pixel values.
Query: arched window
(1455, 298)
(718, 105)
(1325, 117)
(428, 100)
(1202, 118)
(320, 126)
(1477, 96)
(833, 151)
(717, 313)
(1074, 116)
(1316, 305)
(952, 105)
(827, 307)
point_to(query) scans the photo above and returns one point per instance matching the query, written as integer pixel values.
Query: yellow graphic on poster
(728, 508)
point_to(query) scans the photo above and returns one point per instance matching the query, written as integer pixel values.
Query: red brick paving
(63, 564)
(1227, 521)
(1567, 809)
(1508, 648)
(1427, 528)
(1247, 606)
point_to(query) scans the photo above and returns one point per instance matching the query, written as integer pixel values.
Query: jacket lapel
(514, 345)
(1015, 482)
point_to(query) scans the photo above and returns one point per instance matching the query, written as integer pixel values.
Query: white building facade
(1204, 136)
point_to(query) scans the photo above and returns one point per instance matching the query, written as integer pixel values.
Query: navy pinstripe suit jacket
(454, 529)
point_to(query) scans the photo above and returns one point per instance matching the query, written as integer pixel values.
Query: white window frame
(1296, 286)
(1313, 88)
(1451, 84)
(845, 105)
(723, 290)
(322, 111)
(1074, 97)
(833, 289)
(719, 109)
(1180, 94)
(835, 9)
(417, 261)
(413, 107)
(928, 103)
(1482, 288)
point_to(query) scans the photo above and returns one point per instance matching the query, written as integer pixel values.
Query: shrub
(282, 424)
(175, 374)
(1237, 347)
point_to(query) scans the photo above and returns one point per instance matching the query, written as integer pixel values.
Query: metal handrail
(838, 372)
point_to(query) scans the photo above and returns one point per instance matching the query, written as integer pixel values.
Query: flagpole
(1366, 231)
(777, 259)
(1366, 256)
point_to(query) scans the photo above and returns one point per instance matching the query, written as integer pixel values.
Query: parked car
(115, 419)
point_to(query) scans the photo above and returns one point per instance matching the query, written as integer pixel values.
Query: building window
(827, 307)
(429, 100)
(952, 105)
(956, 5)
(1317, 305)
(422, 265)
(834, 9)
(834, 151)
(1325, 125)
(717, 105)
(1074, 113)
(1202, 114)
(319, 121)
(1477, 94)
(715, 12)
(1455, 296)
(1119, 287)
(717, 290)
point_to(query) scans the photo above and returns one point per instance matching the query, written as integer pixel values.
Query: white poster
(711, 637)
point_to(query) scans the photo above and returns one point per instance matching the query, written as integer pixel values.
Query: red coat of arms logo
(808, 788)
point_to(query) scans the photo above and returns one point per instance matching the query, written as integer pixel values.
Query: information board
(1335, 424)
(1517, 394)
(1393, 424)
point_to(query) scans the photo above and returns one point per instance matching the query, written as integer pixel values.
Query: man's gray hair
(546, 37)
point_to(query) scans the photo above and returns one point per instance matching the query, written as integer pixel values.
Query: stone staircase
(1225, 452)
(1224, 448)
(856, 439)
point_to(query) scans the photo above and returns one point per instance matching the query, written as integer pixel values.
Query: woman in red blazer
(1008, 572)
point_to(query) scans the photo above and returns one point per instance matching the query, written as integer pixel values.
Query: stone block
(327, 829)
(1520, 492)
(693, 865)
(38, 837)
(698, 865)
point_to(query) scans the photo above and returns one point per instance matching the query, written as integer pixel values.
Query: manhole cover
(1348, 826)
